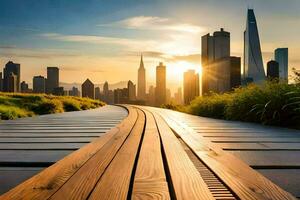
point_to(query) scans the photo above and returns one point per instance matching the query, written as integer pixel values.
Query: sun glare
(177, 69)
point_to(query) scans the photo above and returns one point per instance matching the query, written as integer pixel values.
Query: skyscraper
(141, 81)
(12, 83)
(52, 79)
(39, 84)
(131, 91)
(10, 68)
(97, 93)
(282, 57)
(160, 93)
(87, 89)
(191, 86)
(273, 69)
(24, 87)
(105, 92)
(253, 62)
(221, 44)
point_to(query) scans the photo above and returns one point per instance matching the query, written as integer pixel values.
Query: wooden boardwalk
(158, 154)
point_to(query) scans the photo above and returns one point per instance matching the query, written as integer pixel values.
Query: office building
(190, 86)
(226, 74)
(141, 93)
(24, 87)
(131, 91)
(58, 91)
(282, 57)
(88, 89)
(151, 96)
(52, 79)
(121, 96)
(253, 62)
(97, 93)
(9, 70)
(74, 92)
(213, 48)
(273, 70)
(161, 87)
(178, 97)
(39, 84)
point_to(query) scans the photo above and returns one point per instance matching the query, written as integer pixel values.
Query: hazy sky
(102, 39)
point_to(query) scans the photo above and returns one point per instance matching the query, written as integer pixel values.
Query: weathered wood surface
(47, 150)
(155, 154)
(275, 153)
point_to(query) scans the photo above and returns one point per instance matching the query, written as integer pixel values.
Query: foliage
(15, 105)
(272, 104)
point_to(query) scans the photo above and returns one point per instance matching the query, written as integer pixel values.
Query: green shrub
(10, 112)
(71, 105)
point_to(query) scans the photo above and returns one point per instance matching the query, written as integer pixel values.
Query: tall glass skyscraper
(253, 62)
(282, 57)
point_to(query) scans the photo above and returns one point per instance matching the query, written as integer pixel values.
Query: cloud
(156, 23)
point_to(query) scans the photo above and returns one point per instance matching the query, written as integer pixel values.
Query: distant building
(141, 93)
(160, 97)
(168, 96)
(121, 96)
(253, 62)
(213, 48)
(12, 83)
(87, 89)
(9, 69)
(151, 96)
(131, 91)
(97, 93)
(178, 96)
(24, 87)
(58, 91)
(52, 79)
(105, 92)
(39, 84)
(191, 86)
(74, 92)
(226, 74)
(282, 57)
(273, 70)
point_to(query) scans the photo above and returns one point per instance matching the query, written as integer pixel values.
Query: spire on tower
(142, 62)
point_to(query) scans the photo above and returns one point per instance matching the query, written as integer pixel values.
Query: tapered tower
(141, 93)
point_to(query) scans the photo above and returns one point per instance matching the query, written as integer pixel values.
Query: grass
(271, 104)
(16, 105)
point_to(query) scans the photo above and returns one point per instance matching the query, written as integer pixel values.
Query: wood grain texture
(84, 180)
(114, 184)
(47, 182)
(186, 180)
(245, 182)
(150, 179)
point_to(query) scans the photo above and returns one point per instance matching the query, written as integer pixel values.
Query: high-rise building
(213, 48)
(39, 84)
(11, 68)
(168, 96)
(253, 62)
(282, 57)
(74, 92)
(226, 73)
(121, 95)
(273, 69)
(151, 96)
(12, 83)
(24, 87)
(87, 89)
(141, 92)
(131, 91)
(221, 44)
(190, 86)
(178, 96)
(58, 91)
(161, 87)
(97, 93)
(52, 79)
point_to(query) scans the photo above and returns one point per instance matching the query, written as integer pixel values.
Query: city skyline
(83, 48)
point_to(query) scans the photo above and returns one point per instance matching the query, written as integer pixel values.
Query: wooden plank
(46, 183)
(150, 179)
(186, 180)
(119, 172)
(245, 182)
(84, 180)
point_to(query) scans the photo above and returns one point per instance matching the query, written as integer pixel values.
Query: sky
(103, 39)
